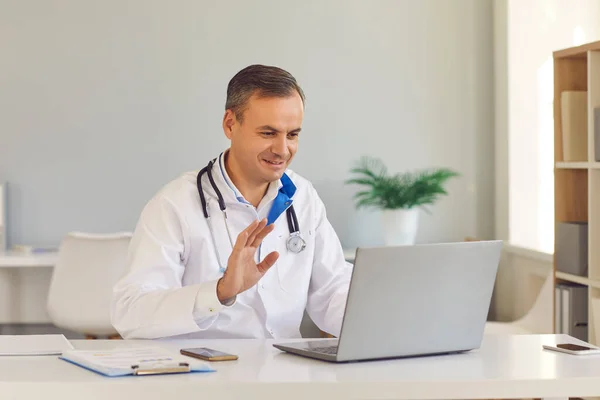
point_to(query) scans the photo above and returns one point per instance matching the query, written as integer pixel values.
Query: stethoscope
(295, 242)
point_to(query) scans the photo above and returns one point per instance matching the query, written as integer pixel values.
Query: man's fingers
(253, 234)
(242, 238)
(268, 262)
(261, 235)
(262, 223)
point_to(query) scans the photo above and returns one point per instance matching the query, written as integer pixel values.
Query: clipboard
(134, 362)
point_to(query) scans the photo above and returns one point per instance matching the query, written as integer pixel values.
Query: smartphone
(207, 354)
(574, 349)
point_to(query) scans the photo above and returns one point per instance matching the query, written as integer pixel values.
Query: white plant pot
(400, 226)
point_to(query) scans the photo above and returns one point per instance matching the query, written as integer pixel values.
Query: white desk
(505, 367)
(12, 259)
(24, 282)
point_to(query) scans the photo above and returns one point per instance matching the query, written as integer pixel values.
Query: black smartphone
(574, 349)
(571, 346)
(206, 354)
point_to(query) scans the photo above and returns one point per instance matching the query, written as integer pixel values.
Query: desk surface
(15, 259)
(505, 367)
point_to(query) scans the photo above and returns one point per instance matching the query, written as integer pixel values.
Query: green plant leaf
(361, 181)
(402, 190)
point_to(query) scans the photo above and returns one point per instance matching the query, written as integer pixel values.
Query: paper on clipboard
(121, 362)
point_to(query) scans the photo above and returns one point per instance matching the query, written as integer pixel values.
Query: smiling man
(242, 247)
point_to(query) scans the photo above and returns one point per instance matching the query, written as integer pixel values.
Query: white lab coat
(170, 287)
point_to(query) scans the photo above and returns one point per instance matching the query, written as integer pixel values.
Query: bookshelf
(577, 169)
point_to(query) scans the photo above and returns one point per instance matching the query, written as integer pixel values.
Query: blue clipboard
(134, 362)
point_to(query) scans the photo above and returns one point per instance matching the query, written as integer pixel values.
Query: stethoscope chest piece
(295, 243)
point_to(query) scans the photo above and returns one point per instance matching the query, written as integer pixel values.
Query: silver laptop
(411, 301)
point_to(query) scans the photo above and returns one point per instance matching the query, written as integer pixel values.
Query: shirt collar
(227, 180)
(284, 184)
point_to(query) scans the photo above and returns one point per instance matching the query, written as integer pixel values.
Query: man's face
(264, 144)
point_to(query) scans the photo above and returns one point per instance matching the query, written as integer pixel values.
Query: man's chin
(271, 171)
(273, 176)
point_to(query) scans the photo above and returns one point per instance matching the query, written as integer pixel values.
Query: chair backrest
(80, 292)
(539, 318)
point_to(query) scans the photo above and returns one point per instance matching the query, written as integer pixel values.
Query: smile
(274, 165)
(273, 162)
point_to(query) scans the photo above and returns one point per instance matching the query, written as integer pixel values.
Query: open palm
(242, 271)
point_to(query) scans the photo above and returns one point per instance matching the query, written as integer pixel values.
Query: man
(242, 248)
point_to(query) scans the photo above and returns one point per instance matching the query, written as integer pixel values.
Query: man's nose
(279, 146)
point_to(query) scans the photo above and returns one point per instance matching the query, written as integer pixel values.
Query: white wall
(501, 192)
(101, 103)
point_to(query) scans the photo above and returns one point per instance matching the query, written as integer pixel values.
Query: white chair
(80, 292)
(539, 318)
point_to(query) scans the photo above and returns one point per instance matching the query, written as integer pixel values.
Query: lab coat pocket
(292, 272)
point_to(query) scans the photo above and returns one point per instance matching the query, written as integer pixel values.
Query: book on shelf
(571, 310)
(597, 134)
(573, 105)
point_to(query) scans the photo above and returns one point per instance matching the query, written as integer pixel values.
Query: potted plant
(399, 196)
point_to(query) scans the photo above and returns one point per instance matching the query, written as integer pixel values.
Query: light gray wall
(102, 102)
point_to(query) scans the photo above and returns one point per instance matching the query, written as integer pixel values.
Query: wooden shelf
(573, 165)
(577, 165)
(578, 51)
(577, 183)
(582, 280)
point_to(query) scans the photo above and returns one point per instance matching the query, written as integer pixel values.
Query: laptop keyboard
(324, 350)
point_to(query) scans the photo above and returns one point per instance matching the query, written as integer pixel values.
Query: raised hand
(242, 271)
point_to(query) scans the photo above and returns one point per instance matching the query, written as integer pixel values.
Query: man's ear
(229, 122)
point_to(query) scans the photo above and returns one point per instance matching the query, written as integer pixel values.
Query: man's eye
(293, 135)
(267, 133)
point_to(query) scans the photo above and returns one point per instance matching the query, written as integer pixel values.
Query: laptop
(406, 301)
